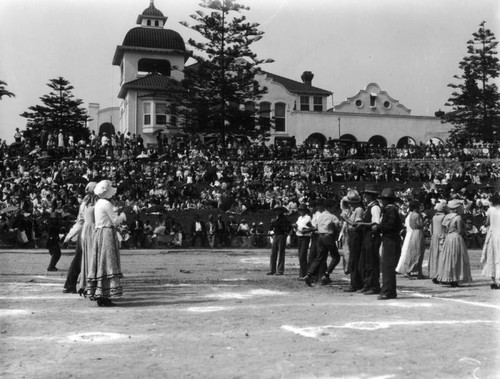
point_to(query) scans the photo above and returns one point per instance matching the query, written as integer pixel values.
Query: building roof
(296, 86)
(152, 11)
(151, 82)
(154, 38)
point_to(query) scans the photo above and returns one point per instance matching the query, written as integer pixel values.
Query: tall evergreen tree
(4, 91)
(222, 85)
(475, 102)
(60, 110)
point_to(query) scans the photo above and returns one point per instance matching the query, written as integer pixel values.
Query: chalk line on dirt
(475, 303)
(318, 331)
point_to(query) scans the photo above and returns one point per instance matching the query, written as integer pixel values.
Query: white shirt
(302, 222)
(106, 216)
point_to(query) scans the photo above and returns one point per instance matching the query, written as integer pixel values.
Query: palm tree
(3, 91)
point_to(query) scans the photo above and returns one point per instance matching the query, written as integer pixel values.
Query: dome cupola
(151, 17)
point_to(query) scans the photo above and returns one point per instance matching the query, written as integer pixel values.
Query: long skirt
(434, 252)
(87, 242)
(491, 252)
(454, 263)
(104, 273)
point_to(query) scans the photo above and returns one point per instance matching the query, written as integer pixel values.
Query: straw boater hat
(89, 188)
(104, 189)
(353, 196)
(454, 204)
(370, 189)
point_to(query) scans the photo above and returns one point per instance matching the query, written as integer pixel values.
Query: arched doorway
(316, 138)
(378, 141)
(406, 141)
(107, 128)
(435, 141)
(348, 137)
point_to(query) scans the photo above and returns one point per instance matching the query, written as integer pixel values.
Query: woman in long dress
(491, 248)
(87, 234)
(454, 266)
(414, 244)
(104, 274)
(405, 249)
(437, 240)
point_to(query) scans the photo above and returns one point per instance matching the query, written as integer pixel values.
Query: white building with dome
(152, 60)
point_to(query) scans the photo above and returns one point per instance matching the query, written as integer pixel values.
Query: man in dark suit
(220, 232)
(198, 231)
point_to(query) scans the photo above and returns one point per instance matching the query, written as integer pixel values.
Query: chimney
(307, 78)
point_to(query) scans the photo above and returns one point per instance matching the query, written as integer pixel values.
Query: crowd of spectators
(45, 178)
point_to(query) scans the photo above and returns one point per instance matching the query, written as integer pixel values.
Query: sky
(410, 48)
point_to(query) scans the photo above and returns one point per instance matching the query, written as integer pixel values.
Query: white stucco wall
(131, 60)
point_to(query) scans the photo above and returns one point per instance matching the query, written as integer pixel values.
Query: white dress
(491, 248)
(404, 249)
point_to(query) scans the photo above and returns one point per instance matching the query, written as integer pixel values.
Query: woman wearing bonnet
(454, 266)
(104, 272)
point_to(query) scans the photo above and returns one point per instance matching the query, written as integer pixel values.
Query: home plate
(13, 312)
(97, 337)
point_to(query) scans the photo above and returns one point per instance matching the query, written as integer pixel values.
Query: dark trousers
(201, 237)
(278, 253)
(74, 268)
(313, 252)
(369, 261)
(354, 242)
(303, 247)
(326, 244)
(55, 254)
(391, 251)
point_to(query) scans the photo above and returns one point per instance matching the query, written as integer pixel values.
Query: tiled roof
(151, 82)
(297, 87)
(154, 38)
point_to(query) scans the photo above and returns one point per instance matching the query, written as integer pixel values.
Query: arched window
(280, 114)
(316, 139)
(378, 141)
(161, 66)
(405, 141)
(348, 137)
(157, 23)
(148, 23)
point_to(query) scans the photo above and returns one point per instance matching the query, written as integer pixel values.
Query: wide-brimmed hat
(370, 189)
(303, 207)
(440, 205)
(104, 189)
(89, 188)
(353, 196)
(454, 204)
(388, 193)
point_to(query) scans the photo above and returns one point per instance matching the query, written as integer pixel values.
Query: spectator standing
(454, 266)
(491, 249)
(328, 227)
(54, 229)
(390, 227)
(280, 227)
(220, 232)
(198, 231)
(437, 239)
(211, 226)
(352, 217)
(104, 274)
(303, 233)
(369, 258)
(413, 257)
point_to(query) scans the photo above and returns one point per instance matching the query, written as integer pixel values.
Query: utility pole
(339, 127)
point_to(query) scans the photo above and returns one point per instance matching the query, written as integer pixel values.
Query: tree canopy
(4, 91)
(221, 85)
(59, 110)
(475, 101)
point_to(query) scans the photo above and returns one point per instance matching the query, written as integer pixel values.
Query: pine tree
(60, 111)
(475, 102)
(4, 91)
(221, 85)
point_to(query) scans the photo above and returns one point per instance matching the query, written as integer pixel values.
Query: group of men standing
(371, 227)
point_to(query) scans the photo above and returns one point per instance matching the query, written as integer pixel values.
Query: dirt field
(215, 314)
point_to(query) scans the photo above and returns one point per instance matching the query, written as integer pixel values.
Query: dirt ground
(215, 314)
